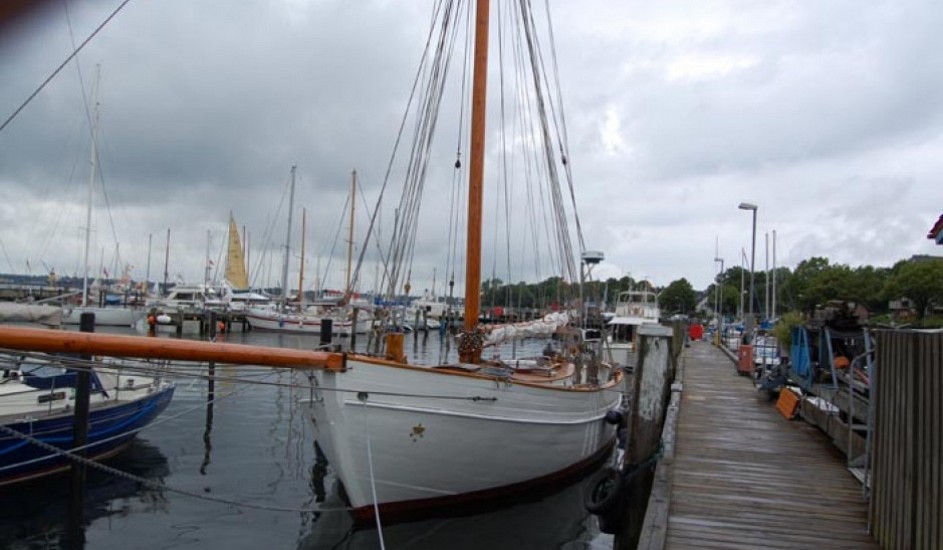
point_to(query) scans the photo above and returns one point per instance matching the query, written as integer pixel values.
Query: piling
(327, 330)
(353, 328)
(649, 397)
(83, 379)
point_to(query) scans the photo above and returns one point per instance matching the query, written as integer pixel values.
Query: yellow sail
(235, 259)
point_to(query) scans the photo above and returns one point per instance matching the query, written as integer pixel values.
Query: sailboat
(283, 318)
(109, 316)
(236, 277)
(408, 440)
(303, 320)
(38, 403)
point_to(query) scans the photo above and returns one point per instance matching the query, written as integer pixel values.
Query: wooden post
(650, 390)
(353, 328)
(83, 378)
(327, 330)
(210, 397)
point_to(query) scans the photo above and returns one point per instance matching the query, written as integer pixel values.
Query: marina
(242, 470)
(438, 275)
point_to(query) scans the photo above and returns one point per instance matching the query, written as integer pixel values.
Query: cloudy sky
(828, 115)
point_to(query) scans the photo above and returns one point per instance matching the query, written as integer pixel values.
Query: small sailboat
(37, 406)
(301, 320)
(236, 277)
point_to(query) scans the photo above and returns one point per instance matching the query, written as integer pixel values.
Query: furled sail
(235, 259)
(542, 327)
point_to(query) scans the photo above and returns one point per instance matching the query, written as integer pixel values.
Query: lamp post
(720, 292)
(753, 207)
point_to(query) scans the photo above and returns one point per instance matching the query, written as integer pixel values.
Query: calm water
(254, 451)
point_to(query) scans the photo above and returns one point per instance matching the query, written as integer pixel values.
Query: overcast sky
(828, 115)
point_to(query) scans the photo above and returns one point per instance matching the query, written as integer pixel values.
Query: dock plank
(745, 477)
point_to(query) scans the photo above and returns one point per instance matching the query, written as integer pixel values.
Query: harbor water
(243, 471)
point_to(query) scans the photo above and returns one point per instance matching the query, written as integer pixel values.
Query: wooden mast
(476, 170)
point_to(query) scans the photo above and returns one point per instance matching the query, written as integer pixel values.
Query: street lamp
(753, 207)
(720, 291)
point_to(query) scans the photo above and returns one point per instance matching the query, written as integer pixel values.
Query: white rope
(373, 482)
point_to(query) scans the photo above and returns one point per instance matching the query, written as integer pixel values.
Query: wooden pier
(737, 475)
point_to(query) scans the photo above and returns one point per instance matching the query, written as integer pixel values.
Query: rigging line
(530, 164)
(419, 160)
(356, 274)
(564, 145)
(62, 65)
(12, 270)
(562, 232)
(504, 163)
(78, 66)
(373, 479)
(562, 136)
(330, 257)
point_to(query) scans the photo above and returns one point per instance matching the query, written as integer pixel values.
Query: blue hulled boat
(37, 404)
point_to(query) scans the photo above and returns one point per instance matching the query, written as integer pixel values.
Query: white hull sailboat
(409, 440)
(420, 437)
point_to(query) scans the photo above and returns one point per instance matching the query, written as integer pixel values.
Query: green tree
(678, 297)
(921, 282)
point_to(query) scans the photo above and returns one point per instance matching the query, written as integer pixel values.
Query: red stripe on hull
(466, 503)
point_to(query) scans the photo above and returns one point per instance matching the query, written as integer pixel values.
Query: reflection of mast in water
(210, 397)
(318, 473)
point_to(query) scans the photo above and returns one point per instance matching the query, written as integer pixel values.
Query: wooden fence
(907, 480)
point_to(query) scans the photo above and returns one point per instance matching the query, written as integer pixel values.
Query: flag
(106, 271)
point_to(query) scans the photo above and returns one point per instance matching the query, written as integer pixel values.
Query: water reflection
(559, 520)
(38, 516)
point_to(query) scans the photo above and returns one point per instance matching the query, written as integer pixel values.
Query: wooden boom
(90, 343)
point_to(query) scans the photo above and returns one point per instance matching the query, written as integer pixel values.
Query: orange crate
(788, 403)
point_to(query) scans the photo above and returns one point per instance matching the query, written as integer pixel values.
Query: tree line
(815, 281)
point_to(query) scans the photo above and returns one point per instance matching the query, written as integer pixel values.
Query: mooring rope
(156, 485)
(373, 482)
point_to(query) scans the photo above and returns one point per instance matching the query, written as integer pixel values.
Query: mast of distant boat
(91, 183)
(350, 230)
(291, 205)
(301, 268)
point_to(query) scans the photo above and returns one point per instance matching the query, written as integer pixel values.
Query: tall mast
(476, 170)
(291, 206)
(91, 183)
(350, 231)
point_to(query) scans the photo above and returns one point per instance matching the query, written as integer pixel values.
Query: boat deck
(745, 477)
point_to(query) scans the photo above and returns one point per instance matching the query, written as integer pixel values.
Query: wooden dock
(741, 476)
